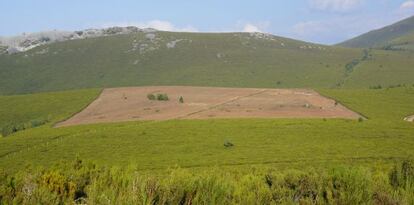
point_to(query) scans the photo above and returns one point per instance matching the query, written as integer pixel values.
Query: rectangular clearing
(131, 104)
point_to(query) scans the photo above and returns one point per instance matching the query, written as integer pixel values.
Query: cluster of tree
(159, 97)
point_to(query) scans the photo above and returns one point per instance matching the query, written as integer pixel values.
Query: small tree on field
(162, 97)
(181, 99)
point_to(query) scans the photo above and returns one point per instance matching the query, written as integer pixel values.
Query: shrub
(162, 97)
(181, 100)
(12, 128)
(228, 144)
(86, 183)
(151, 97)
(159, 97)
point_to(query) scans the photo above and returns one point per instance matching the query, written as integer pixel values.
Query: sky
(319, 21)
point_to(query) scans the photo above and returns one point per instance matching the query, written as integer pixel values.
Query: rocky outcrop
(26, 42)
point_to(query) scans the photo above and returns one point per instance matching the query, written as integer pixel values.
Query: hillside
(198, 59)
(386, 37)
(405, 42)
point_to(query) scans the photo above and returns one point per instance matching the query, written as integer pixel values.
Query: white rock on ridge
(172, 44)
(150, 36)
(28, 41)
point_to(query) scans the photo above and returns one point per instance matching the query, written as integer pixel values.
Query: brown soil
(131, 104)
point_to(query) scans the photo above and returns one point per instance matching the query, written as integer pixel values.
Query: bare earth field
(132, 104)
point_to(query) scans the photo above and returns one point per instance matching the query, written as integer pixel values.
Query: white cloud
(335, 5)
(407, 5)
(251, 28)
(155, 24)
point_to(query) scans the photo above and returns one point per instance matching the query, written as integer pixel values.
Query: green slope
(405, 42)
(382, 38)
(165, 58)
(232, 59)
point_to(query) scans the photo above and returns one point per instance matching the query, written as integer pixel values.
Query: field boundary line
(56, 124)
(222, 103)
(343, 104)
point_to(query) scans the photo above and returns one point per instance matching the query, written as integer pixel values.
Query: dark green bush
(151, 97)
(162, 97)
(159, 97)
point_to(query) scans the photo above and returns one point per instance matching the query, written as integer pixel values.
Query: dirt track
(130, 104)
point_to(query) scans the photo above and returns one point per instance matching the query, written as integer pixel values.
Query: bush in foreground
(86, 183)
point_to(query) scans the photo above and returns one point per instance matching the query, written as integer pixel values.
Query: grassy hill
(202, 59)
(394, 36)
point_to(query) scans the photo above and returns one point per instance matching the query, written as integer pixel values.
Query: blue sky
(322, 21)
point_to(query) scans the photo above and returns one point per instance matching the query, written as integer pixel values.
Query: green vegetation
(24, 111)
(404, 43)
(284, 143)
(87, 183)
(325, 161)
(199, 59)
(12, 128)
(159, 97)
(385, 68)
(181, 99)
(386, 37)
(162, 97)
(151, 97)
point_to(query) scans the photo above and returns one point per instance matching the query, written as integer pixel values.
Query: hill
(151, 57)
(393, 36)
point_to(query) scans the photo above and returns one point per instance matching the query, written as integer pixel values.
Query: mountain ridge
(381, 38)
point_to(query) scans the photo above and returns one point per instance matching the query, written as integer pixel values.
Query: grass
(226, 60)
(19, 109)
(281, 161)
(285, 143)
